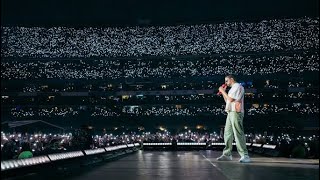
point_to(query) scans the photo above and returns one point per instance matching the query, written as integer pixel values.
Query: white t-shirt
(236, 92)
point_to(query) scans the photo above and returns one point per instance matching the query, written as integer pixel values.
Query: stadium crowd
(295, 63)
(266, 48)
(228, 37)
(160, 110)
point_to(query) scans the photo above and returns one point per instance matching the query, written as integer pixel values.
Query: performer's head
(230, 80)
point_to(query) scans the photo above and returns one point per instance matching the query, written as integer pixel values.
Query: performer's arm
(225, 98)
(225, 95)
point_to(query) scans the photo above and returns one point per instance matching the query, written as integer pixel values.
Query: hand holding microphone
(224, 86)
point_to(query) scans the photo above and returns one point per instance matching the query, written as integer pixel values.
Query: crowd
(296, 107)
(228, 37)
(160, 110)
(247, 65)
(187, 91)
(267, 48)
(44, 112)
(97, 69)
(41, 143)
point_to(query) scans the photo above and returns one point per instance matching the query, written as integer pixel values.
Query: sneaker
(224, 158)
(245, 159)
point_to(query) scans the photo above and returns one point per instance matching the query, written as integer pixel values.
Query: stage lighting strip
(269, 146)
(191, 144)
(113, 148)
(60, 156)
(130, 145)
(136, 144)
(13, 164)
(222, 144)
(122, 146)
(94, 151)
(256, 145)
(157, 144)
(219, 144)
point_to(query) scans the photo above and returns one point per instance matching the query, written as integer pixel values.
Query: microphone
(224, 86)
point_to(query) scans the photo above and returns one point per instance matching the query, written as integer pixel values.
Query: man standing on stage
(234, 123)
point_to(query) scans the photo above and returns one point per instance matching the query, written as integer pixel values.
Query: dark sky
(134, 12)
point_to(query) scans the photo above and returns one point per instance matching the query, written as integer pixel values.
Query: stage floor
(196, 165)
(200, 165)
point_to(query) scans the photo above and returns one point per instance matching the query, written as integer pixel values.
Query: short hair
(231, 76)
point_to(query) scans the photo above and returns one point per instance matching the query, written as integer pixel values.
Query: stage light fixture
(268, 146)
(130, 145)
(94, 151)
(256, 145)
(218, 144)
(68, 155)
(191, 144)
(18, 163)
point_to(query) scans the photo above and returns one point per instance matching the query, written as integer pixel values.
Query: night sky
(148, 12)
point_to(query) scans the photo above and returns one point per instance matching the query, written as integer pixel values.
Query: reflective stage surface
(200, 165)
(194, 165)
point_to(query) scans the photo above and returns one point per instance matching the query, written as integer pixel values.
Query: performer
(234, 122)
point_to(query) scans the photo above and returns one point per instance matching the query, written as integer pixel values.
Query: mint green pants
(234, 130)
